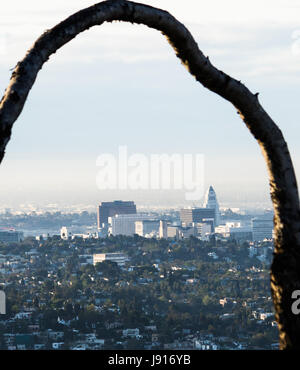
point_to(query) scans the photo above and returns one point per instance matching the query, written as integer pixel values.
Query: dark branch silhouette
(285, 269)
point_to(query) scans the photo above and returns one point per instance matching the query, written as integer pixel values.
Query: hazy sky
(121, 84)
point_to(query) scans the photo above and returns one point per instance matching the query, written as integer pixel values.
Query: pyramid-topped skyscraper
(210, 201)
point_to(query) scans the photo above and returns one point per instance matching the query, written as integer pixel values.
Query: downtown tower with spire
(210, 201)
(208, 213)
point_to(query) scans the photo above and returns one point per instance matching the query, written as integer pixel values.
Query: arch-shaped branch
(285, 271)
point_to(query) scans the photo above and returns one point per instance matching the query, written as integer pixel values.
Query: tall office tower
(190, 215)
(210, 201)
(262, 228)
(110, 209)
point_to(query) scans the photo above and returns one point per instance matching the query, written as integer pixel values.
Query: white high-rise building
(210, 201)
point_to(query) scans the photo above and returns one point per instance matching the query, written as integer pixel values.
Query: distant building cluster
(66, 234)
(260, 229)
(204, 222)
(235, 230)
(121, 218)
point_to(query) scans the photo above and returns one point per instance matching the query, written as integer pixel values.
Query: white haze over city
(121, 84)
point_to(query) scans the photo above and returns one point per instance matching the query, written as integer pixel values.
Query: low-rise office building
(119, 258)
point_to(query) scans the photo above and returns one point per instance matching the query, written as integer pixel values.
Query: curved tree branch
(285, 270)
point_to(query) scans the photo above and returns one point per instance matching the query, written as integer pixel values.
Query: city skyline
(122, 217)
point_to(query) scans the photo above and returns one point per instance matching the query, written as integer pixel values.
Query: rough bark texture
(285, 270)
